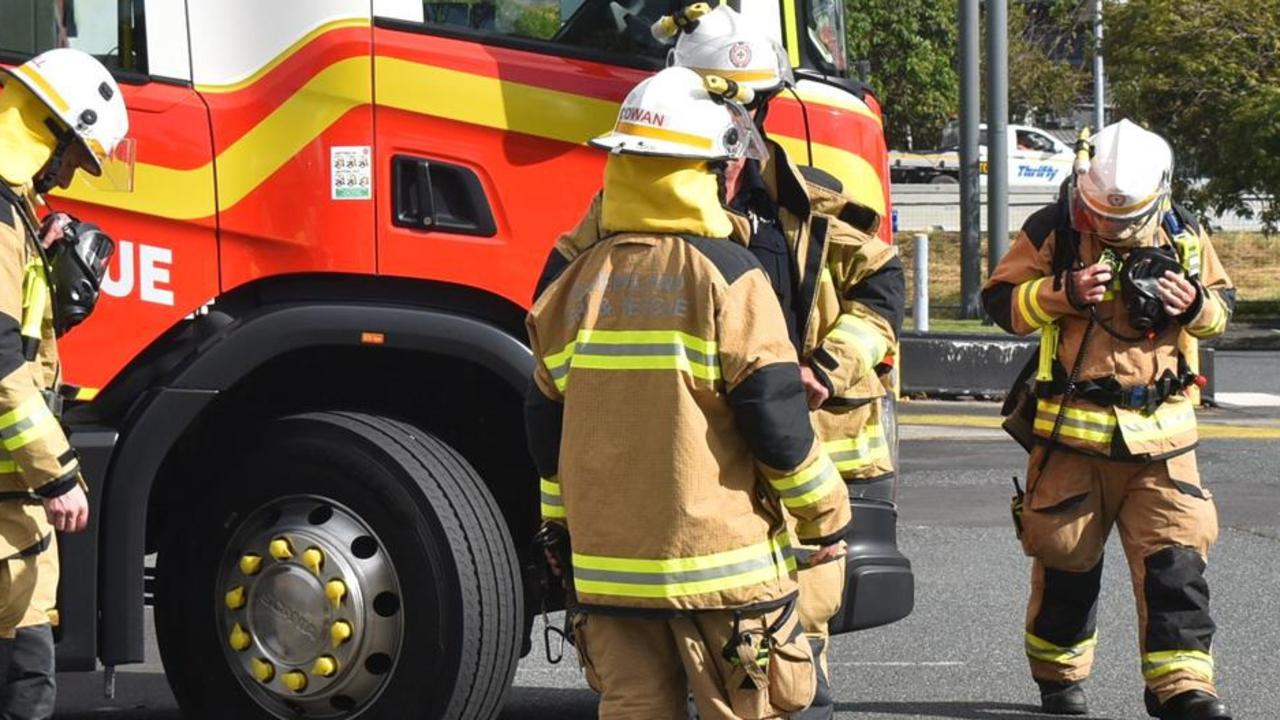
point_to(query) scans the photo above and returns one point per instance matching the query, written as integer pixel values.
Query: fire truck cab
(307, 450)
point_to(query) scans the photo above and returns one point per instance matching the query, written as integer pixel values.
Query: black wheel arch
(243, 334)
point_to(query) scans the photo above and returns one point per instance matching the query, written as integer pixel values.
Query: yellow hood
(671, 196)
(26, 144)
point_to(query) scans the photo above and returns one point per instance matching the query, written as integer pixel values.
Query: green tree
(1041, 79)
(1206, 76)
(911, 46)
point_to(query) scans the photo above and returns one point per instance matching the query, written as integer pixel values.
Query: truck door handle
(431, 195)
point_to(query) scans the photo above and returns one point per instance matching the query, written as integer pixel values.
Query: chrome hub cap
(310, 610)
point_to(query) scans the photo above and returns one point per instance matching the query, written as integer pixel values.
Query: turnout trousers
(644, 669)
(1167, 522)
(821, 595)
(30, 686)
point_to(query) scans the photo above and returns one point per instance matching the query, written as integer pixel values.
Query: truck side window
(114, 31)
(612, 27)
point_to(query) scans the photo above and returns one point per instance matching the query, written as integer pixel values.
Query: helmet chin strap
(47, 179)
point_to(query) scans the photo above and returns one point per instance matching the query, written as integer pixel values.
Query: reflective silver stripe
(873, 443)
(828, 474)
(19, 427)
(682, 576)
(645, 350)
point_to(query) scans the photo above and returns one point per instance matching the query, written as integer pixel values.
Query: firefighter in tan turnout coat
(667, 419)
(59, 113)
(841, 289)
(1117, 280)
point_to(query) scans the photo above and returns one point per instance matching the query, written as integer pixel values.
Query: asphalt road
(959, 655)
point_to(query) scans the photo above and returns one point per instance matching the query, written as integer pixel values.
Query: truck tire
(348, 565)
(944, 180)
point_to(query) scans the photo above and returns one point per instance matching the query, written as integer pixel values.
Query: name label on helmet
(141, 267)
(642, 116)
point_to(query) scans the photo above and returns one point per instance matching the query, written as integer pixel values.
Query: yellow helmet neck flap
(670, 196)
(26, 143)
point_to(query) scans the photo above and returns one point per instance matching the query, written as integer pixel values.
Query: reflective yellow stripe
(676, 577)
(26, 423)
(552, 502)
(43, 86)
(672, 136)
(1219, 322)
(1088, 425)
(860, 451)
(738, 75)
(35, 297)
(1165, 662)
(1049, 335)
(1029, 303)
(86, 394)
(7, 464)
(1168, 420)
(809, 485)
(635, 350)
(1040, 649)
(793, 33)
(864, 337)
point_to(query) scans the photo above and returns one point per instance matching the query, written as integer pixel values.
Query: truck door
(1036, 159)
(166, 252)
(483, 111)
(288, 87)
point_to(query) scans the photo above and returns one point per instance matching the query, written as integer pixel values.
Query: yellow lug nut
(335, 590)
(235, 598)
(250, 564)
(313, 559)
(325, 666)
(262, 670)
(239, 639)
(280, 549)
(340, 632)
(295, 680)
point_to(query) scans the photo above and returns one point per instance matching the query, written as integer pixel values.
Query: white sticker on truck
(351, 172)
(149, 273)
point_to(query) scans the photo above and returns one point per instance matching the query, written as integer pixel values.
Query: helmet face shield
(114, 169)
(1119, 231)
(748, 143)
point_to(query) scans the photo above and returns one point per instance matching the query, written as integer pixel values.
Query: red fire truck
(311, 357)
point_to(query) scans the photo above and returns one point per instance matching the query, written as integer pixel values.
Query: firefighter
(59, 113)
(667, 419)
(1118, 280)
(841, 289)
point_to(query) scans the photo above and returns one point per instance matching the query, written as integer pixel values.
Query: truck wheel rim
(309, 609)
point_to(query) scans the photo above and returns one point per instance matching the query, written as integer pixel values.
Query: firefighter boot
(1058, 698)
(1191, 705)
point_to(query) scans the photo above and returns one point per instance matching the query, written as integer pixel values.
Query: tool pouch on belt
(1019, 408)
(771, 668)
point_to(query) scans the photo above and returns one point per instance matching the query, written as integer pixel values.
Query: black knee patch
(1177, 601)
(1069, 610)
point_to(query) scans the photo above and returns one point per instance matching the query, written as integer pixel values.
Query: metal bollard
(921, 304)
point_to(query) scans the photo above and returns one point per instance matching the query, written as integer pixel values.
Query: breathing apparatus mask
(77, 266)
(1139, 276)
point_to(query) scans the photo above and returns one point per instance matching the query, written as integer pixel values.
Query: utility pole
(997, 132)
(1099, 77)
(970, 197)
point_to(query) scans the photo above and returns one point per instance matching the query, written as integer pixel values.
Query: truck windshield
(825, 31)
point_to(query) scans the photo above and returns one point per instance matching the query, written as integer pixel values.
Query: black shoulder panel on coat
(7, 216)
(885, 292)
(730, 258)
(11, 355)
(997, 300)
(1041, 225)
(769, 407)
(818, 176)
(556, 264)
(544, 420)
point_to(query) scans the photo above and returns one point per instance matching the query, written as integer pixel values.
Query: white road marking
(934, 663)
(1247, 399)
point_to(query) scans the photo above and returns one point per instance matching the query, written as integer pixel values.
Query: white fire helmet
(81, 93)
(1127, 185)
(723, 42)
(675, 114)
